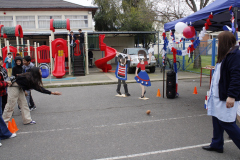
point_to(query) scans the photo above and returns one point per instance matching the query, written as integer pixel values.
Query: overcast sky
(81, 2)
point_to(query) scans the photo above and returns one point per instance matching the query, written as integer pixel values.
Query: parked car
(133, 52)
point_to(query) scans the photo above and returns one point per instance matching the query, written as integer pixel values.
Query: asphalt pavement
(90, 122)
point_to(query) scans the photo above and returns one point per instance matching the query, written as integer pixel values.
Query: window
(26, 21)
(7, 21)
(78, 21)
(44, 21)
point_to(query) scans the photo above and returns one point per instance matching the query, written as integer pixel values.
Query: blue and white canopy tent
(220, 16)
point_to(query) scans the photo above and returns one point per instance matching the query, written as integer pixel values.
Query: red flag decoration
(211, 16)
(209, 22)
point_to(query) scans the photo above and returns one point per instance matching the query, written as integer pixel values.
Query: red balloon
(189, 32)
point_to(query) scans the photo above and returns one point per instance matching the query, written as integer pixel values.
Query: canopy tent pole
(213, 51)
(183, 57)
(235, 10)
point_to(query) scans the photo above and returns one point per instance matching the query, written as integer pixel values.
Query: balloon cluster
(187, 31)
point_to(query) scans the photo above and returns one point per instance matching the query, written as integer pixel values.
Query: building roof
(53, 5)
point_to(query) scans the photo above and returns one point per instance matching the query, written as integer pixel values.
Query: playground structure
(110, 53)
(59, 48)
(17, 32)
(36, 53)
(57, 52)
(54, 54)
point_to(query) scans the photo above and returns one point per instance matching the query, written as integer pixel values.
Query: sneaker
(32, 122)
(13, 135)
(33, 108)
(0, 144)
(127, 94)
(119, 92)
(142, 96)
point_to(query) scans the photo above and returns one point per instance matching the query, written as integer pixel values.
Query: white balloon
(179, 27)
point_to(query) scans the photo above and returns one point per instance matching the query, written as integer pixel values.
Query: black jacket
(72, 38)
(17, 69)
(229, 83)
(81, 37)
(26, 85)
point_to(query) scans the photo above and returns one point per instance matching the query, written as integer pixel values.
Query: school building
(34, 16)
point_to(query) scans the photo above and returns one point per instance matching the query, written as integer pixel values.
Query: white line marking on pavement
(150, 121)
(112, 125)
(157, 152)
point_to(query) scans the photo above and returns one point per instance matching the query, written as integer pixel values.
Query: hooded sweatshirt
(17, 69)
(27, 68)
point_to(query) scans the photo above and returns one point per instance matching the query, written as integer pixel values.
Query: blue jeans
(4, 132)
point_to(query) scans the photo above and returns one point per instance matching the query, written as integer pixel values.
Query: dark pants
(31, 102)
(71, 52)
(4, 102)
(4, 132)
(81, 47)
(29, 98)
(218, 128)
(124, 85)
(90, 62)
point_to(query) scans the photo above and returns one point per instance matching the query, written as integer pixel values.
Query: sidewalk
(97, 77)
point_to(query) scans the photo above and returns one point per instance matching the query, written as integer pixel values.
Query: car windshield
(134, 51)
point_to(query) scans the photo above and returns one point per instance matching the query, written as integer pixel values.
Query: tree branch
(201, 4)
(189, 5)
(205, 4)
(194, 5)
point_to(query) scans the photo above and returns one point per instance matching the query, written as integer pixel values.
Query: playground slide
(110, 53)
(59, 66)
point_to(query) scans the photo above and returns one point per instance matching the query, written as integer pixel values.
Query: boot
(126, 90)
(118, 89)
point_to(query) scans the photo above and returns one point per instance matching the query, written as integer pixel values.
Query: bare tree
(193, 6)
(170, 10)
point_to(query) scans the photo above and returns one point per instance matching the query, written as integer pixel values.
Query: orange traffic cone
(14, 125)
(158, 93)
(10, 127)
(195, 90)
